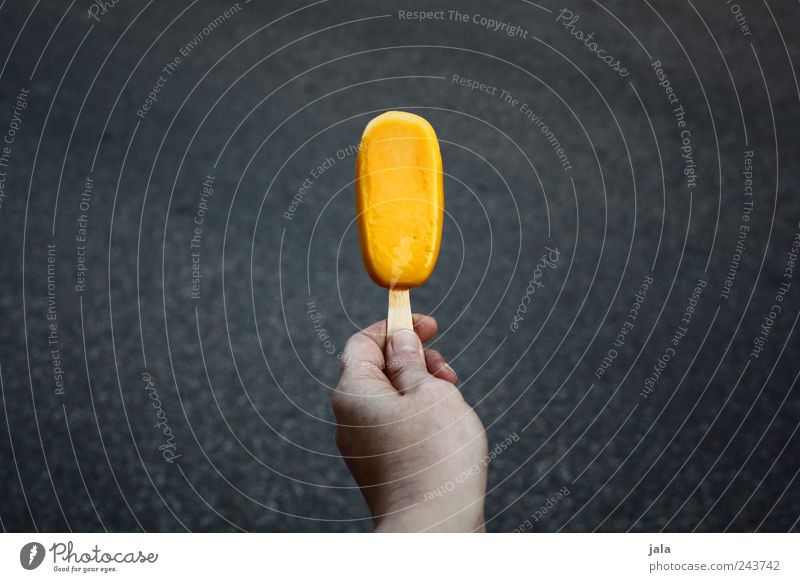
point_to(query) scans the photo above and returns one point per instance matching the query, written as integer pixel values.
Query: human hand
(412, 443)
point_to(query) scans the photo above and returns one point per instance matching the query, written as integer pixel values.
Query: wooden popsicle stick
(399, 311)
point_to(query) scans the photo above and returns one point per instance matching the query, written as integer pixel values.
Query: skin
(406, 432)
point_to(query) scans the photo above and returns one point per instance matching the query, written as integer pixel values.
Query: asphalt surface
(180, 268)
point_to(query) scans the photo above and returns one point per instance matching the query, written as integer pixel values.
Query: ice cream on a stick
(400, 204)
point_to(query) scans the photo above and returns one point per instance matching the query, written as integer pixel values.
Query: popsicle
(400, 204)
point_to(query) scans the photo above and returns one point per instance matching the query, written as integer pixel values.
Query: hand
(415, 447)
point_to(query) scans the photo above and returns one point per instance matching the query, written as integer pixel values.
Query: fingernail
(405, 341)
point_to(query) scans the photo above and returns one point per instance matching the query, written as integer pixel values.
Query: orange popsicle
(400, 204)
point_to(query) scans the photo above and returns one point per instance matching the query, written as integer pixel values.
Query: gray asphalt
(167, 363)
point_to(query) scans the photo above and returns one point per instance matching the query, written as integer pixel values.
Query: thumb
(405, 361)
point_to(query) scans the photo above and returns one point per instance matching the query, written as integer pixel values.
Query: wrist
(427, 517)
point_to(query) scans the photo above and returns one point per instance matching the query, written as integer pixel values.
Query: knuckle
(349, 348)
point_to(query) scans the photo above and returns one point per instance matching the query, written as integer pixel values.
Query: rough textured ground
(272, 99)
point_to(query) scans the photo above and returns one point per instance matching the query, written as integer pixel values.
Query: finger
(361, 374)
(405, 361)
(424, 325)
(438, 366)
(362, 358)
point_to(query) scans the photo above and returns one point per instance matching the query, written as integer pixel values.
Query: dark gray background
(271, 93)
